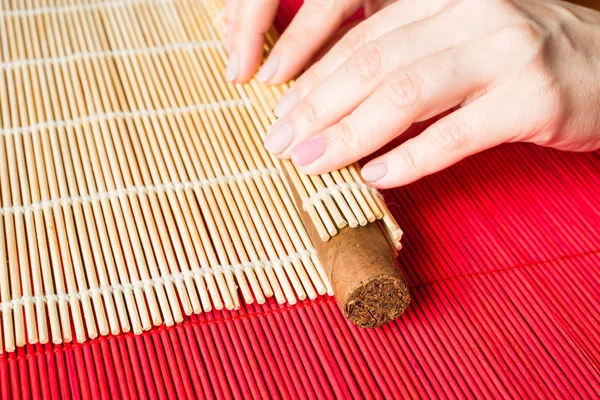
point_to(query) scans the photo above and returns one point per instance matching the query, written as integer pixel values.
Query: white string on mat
(68, 200)
(121, 114)
(321, 194)
(87, 55)
(152, 282)
(219, 17)
(75, 7)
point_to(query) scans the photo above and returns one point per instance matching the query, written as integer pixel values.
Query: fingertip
(290, 64)
(374, 172)
(389, 171)
(252, 20)
(247, 49)
(228, 37)
(279, 139)
(233, 68)
(278, 80)
(309, 151)
(269, 69)
(384, 184)
(379, 175)
(310, 169)
(287, 103)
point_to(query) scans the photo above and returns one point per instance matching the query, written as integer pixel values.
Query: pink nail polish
(374, 172)
(268, 70)
(228, 37)
(286, 104)
(307, 152)
(233, 68)
(280, 138)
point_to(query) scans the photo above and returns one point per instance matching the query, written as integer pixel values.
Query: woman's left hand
(518, 70)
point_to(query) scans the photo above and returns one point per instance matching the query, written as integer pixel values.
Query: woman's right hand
(314, 26)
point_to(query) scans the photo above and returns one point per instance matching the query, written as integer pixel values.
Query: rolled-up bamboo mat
(361, 265)
(135, 189)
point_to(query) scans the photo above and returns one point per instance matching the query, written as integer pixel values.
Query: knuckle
(524, 36)
(352, 41)
(406, 159)
(453, 135)
(348, 136)
(365, 64)
(309, 79)
(403, 90)
(322, 5)
(308, 111)
(527, 33)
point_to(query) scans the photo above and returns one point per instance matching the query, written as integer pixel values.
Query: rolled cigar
(361, 265)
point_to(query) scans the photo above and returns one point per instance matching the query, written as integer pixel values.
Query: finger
(230, 6)
(253, 18)
(487, 122)
(372, 6)
(424, 89)
(337, 36)
(342, 91)
(230, 11)
(311, 28)
(394, 16)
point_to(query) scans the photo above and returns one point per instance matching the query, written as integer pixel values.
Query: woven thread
(87, 55)
(141, 113)
(196, 184)
(153, 282)
(337, 189)
(76, 7)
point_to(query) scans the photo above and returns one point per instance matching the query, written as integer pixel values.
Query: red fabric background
(502, 252)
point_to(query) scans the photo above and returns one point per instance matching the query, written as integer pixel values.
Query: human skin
(500, 70)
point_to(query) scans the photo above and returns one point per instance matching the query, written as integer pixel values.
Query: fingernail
(374, 172)
(286, 104)
(307, 152)
(268, 70)
(280, 138)
(228, 37)
(233, 67)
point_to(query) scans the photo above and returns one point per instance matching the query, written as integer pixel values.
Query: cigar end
(377, 301)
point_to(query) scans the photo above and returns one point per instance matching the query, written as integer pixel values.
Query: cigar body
(361, 265)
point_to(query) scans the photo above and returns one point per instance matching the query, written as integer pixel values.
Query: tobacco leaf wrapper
(361, 265)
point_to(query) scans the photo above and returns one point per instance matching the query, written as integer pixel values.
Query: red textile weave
(502, 252)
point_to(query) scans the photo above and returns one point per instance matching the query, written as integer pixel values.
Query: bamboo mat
(134, 185)
(502, 252)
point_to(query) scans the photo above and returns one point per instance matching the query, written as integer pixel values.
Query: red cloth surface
(502, 252)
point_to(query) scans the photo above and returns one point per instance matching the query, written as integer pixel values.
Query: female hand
(519, 70)
(314, 27)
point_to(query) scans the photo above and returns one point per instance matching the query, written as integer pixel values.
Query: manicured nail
(374, 172)
(280, 138)
(307, 152)
(233, 67)
(268, 70)
(286, 104)
(228, 37)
